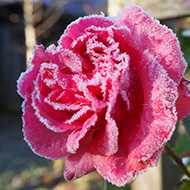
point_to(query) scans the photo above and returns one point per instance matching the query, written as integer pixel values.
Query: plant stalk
(105, 184)
(178, 161)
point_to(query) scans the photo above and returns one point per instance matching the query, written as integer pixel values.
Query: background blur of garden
(24, 23)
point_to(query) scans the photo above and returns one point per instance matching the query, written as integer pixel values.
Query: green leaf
(182, 145)
(186, 124)
(184, 186)
(113, 187)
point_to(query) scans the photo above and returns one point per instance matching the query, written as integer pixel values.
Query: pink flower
(108, 97)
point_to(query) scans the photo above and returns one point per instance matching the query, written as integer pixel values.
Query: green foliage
(186, 124)
(113, 187)
(182, 145)
(185, 185)
(185, 46)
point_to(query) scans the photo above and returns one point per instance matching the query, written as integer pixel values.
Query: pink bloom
(108, 97)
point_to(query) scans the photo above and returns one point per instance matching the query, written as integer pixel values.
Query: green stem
(178, 161)
(105, 184)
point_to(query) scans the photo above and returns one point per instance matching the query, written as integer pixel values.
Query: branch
(178, 161)
(105, 184)
(51, 18)
(48, 23)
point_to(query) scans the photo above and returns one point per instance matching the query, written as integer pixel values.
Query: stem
(105, 184)
(170, 152)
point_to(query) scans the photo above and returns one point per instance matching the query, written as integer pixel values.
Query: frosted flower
(108, 97)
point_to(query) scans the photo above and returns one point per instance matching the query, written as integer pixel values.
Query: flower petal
(53, 119)
(78, 28)
(25, 82)
(148, 33)
(120, 169)
(77, 135)
(71, 60)
(78, 165)
(158, 117)
(108, 143)
(43, 141)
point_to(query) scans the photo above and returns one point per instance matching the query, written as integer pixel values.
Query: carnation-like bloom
(108, 97)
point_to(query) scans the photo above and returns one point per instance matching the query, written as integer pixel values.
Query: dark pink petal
(50, 55)
(183, 101)
(159, 116)
(54, 78)
(52, 119)
(54, 114)
(78, 28)
(78, 164)
(25, 82)
(92, 92)
(120, 168)
(65, 100)
(43, 141)
(77, 135)
(40, 55)
(108, 143)
(147, 33)
(71, 60)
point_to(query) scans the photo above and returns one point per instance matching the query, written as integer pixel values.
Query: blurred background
(24, 23)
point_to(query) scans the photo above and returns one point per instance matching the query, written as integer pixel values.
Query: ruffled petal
(158, 116)
(147, 33)
(53, 119)
(77, 135)
(43, 141)
(120, 169)
(78, 165)
(78, 28)
(108, 143)
(25, 82)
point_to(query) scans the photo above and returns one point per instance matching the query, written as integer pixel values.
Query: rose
(108, 97)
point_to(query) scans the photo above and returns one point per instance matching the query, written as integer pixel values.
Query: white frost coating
(40, 117)
(88, 124)
(78, 20)
(149, 148)
(63, 106)
(36, 96)
(50, 66)
(102, 13)
(126, 99)
(78, 114)
(83, 87)
(71, 60)
(79, 39)
(108, 145)
(143, 24)
(22, 79)
(24, 109)
(186, 33)
(52, 49)
(185, 160)
(112, 178)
